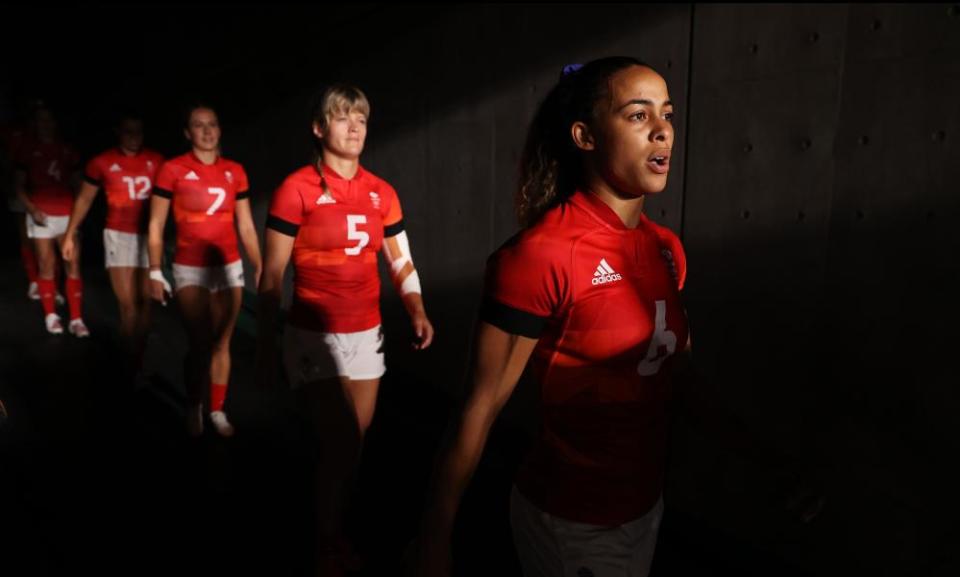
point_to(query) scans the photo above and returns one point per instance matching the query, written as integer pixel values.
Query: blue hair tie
(570, 69)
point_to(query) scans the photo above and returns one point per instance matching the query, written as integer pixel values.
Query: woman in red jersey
(127, 174)
(45, 167)
(210, 199)
(331, 218)
(589, 293)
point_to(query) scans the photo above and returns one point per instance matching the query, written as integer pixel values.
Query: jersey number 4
(139, 187)
(663, 343)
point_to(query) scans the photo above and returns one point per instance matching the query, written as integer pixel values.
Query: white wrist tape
(158, 276)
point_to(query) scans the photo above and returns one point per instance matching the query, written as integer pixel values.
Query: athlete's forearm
(20, 189)
(159, 208)
(251, 244)
(461, 452)
(413, 302)
(81, 207)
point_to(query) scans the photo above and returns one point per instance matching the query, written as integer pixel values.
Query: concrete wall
(814, 185)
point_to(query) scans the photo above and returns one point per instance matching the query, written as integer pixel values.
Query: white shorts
(212, 278)
(124, 249)
(309, 355)
(552, 547)
(55, 227)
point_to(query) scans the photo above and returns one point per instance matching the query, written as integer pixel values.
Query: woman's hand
(160, 289)
(68, 248)
(423, 329)
(39, 216)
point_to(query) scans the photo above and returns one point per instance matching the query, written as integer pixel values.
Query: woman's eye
(668, 116)
(639, 115)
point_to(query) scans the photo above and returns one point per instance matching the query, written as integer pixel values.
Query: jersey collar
(599, 209)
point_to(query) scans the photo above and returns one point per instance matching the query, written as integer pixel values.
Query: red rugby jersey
(604, 301)
(48, 166)
(204, 197)
(127, 181)
(336, 284)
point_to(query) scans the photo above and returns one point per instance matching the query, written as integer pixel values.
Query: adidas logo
(605, 274)
(115, 167)
(326, 198)
(191, 176)
(375, 199)
(229, 176)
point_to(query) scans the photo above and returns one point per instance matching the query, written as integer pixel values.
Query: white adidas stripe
(606, 267)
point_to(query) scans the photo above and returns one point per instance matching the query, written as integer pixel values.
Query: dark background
(814, 184)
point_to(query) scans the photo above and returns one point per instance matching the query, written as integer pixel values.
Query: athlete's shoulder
(184, 161)
(152, 156)
(105, 156)
(306, 174)
(375, 182)
(537, 245)
(664, 233)
(232, 165)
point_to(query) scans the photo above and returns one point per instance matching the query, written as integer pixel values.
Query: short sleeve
(243, 184)
(525, 284)
(166, 181)
(93, 173)
(286, 209)
(391, 212)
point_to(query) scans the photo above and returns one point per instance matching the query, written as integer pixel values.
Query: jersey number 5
(661, 339)
(139, 187)
(353, 234)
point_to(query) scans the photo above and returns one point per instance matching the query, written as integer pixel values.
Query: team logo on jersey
(115, 167)
(605, 274)
(375, 199)
(326, 198)
(191, 176)
(229, 176)
(668, 256)
(149, 165)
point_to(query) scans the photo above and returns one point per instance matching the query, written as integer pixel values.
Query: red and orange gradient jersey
(604, 301)
(127, 181)
(204, 197)
(338, 234)
(48, 166)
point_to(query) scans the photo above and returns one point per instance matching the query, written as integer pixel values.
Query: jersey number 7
(221, 196)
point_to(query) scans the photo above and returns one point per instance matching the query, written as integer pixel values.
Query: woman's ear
(581, 135)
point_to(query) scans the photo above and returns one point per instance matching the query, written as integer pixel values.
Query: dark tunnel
(812, 189)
